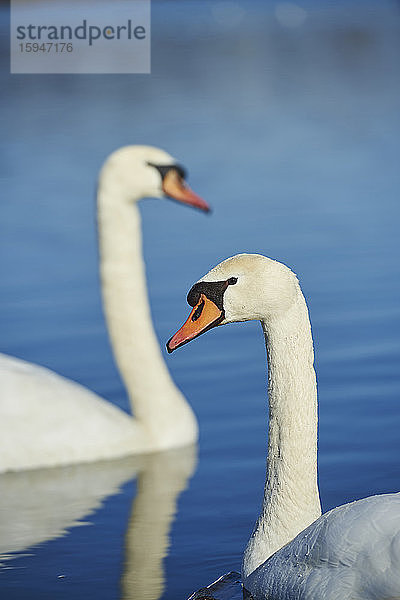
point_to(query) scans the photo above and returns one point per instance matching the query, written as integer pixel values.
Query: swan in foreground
(353, 551)
(47, 420)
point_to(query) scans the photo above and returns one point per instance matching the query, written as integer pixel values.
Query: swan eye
(163, 170)
(198, 311)
(232, 280)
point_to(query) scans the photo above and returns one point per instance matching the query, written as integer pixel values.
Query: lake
(290, 128)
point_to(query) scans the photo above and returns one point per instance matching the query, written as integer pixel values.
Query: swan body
(294, 553)
(47, 420)
(350, 553)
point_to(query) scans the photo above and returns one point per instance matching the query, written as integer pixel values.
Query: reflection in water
(164, 477)
(41, 505)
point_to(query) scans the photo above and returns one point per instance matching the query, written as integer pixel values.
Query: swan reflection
(44, 504)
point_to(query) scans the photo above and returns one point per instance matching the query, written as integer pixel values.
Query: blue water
(293, 135)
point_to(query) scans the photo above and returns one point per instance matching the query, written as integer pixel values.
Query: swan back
(350, 553)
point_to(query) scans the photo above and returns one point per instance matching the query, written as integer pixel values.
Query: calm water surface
(292, 134)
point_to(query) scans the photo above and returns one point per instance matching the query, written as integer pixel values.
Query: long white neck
(291, 498)
(155, 400)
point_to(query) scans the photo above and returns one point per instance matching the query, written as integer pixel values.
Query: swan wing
(48, 420)
(350, 553)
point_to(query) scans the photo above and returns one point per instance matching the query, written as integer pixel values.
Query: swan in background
(353, 551)
(40, 505)
(47, 420)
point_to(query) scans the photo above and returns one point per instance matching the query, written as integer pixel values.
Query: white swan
(47, 420)
(349, 553)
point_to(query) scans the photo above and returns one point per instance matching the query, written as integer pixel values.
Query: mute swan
(47, 420)
(353, 551)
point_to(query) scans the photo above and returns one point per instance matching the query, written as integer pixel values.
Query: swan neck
(291, 498)
(155, 400)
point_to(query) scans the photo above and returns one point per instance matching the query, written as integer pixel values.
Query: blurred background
(287, 118)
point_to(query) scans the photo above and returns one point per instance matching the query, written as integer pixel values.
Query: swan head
(245, 287)
(145, 171)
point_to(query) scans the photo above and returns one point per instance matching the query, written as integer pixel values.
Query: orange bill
(203, 317)
(175, 187)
